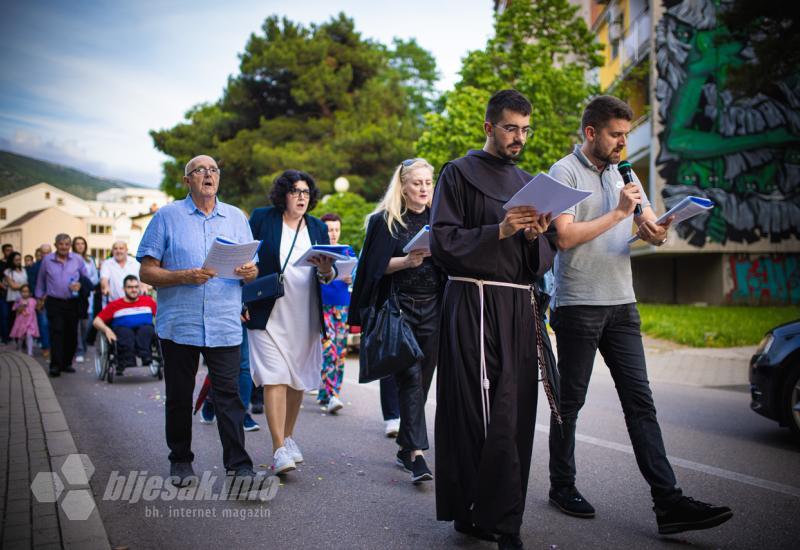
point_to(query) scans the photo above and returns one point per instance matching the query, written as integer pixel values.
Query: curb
(88, 534)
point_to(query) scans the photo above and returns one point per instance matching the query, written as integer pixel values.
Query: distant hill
(18, 172)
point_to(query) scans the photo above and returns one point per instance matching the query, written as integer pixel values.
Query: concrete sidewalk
(45, 498)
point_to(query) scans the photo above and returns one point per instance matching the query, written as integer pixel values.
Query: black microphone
(626, 172)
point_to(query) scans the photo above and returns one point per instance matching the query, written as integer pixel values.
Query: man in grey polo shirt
(595, 308)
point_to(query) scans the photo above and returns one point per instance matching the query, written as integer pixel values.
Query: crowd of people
(474, 300)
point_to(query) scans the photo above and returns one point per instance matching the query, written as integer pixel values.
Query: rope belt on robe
(548, 390)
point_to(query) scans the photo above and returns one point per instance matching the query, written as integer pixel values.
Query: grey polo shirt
(597, 272)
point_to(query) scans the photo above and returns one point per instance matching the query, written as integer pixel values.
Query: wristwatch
(662, 242)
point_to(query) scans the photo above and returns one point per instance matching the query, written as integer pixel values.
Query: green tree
(544, 50)
(353, 210)
(320, 99)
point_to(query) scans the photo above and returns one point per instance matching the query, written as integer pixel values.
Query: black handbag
(388, 345)
(268, 287)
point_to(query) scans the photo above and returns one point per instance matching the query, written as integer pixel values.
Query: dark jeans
(44, 329)
(615, 331)
(421, 312)
(133, 342)
(180, 370)
(390, 398)
(62, 318)
(5, 319)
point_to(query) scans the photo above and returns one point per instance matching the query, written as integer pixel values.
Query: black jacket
(267, 225)
(371, 284)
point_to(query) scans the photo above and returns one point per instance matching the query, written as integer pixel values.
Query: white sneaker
(334, 405)
(282, 461)
(391, 427)
(79, 358)
(294, 450)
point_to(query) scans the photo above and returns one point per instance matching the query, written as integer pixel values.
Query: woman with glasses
(384, 269)
(284, 334)
(81, 248)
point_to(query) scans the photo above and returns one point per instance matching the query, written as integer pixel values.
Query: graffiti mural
(741, 152)
(761, 280)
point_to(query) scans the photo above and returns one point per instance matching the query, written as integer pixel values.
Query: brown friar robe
(483, 480)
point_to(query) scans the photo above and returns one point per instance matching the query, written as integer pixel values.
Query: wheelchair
(105, 359)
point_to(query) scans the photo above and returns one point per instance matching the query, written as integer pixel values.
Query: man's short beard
(508, 155)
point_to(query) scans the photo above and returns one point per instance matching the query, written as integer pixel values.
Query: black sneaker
(68, 368)
(181, 474)
(420, 471)
(571, 502)
(471, 530)
(54, 373)
(248, 485)
(688, 514)
(509, 542)
(404, 460)
(257, 409)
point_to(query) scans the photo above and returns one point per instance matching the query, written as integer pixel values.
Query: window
(96, 229)
(47, 195)
(2, 213)
(60, 201)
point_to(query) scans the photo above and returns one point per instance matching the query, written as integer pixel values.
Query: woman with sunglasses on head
(284, 333)
(384, 269)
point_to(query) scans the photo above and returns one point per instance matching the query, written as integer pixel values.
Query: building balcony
(639, 138)
(636, 40)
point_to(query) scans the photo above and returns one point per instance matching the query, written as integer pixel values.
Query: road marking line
(676, 461)
(691, 465)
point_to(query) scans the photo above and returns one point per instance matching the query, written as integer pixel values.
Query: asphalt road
(349, 493)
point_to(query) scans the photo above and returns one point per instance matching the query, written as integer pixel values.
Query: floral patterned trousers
(334, 351)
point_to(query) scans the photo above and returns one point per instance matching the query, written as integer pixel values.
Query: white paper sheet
(421, 241)
(345, 268)
(689, 207)
(546, 194)
(318, 250)
(225, 256)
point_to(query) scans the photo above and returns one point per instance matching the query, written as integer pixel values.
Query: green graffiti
(742, 153)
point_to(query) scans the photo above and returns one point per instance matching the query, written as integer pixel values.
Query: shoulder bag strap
(289, 255)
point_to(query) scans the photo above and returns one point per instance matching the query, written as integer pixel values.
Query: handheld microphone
(626, 172)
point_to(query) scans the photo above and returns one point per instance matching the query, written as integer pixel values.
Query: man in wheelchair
(128, 322)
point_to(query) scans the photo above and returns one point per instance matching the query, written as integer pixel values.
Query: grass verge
(713, 326)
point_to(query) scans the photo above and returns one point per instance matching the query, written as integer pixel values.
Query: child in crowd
(25, 327)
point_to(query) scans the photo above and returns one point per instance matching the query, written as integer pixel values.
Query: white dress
(289, 350)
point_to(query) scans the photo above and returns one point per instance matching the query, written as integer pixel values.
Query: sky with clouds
(82, 82)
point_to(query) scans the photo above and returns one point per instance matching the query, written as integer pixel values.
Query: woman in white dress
(284, 333)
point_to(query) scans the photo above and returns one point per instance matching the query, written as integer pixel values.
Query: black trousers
(422, 314)
(615, 331)
(62, 318)
(134, 342)
(180, 370)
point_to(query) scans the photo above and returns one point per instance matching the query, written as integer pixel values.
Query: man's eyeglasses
(204, 171)
(526, 131)
(300, 192)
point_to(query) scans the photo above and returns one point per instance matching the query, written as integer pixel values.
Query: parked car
(775, 376)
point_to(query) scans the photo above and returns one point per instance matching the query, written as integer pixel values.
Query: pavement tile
(54, 422)
(21, 544)
(60, 443)
(50, 535)
(17, 519)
